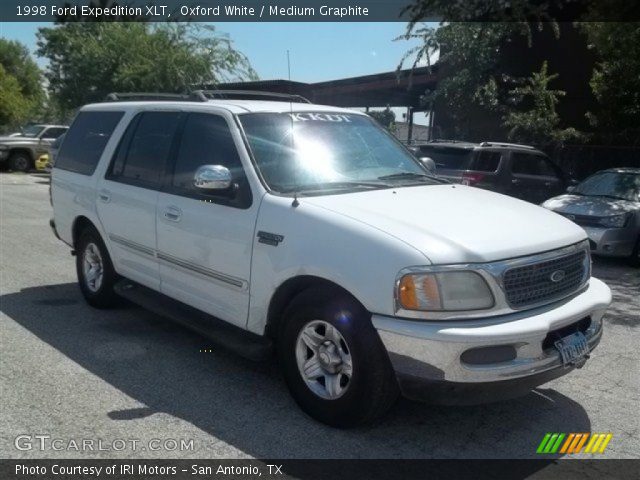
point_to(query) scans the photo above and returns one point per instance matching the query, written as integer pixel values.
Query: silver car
(607, 206)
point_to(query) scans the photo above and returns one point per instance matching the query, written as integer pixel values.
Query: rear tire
(349, 380)
(20, 162)
(96, 275)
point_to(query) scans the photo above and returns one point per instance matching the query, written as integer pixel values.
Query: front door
(205, 238)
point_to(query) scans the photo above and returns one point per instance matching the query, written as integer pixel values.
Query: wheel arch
(288, 290)
(26, 151)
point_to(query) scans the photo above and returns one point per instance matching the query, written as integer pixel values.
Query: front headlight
(615, 221)
(444, 291)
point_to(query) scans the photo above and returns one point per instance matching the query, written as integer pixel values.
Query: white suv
(309, 229)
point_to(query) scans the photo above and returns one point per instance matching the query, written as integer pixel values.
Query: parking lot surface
(74, 373)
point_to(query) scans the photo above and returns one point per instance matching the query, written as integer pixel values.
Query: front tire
(334, 363)
(96, 275)
(20, 162)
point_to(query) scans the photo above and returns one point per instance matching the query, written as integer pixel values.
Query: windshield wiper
(408, 175)
(331, 185)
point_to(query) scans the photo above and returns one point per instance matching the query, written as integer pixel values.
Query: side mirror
(571, 188)
(212, 177)
(429, 164)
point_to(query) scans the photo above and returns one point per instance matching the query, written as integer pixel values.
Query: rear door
(205, 238)
(533, 177)
(128, 195)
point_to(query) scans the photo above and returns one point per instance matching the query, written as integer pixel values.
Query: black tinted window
(53, 132)
(448, 158)
(486, 162)
(206, 140)
(149, 147)
(85, 141)
(528, 164)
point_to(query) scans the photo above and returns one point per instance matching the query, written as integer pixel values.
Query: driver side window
(206, 140)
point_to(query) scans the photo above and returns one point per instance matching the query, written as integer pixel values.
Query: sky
(318, 51)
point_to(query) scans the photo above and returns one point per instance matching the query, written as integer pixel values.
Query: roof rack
(504, 144)
(444, 140)
(137, 96)
(205, 96)
(250, 95)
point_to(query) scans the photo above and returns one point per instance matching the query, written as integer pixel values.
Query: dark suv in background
(520, 171)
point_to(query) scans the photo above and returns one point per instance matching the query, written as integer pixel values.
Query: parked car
(607, 206)
(520, 171)
(308, 229)
(20, 152)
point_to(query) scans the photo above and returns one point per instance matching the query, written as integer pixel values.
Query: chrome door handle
(104, 196)
(173, 214)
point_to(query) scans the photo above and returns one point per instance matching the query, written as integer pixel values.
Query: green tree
(616, 80)
(537, 120)
(470, 73)
(89, 60)
(21, 92)
(386, 117)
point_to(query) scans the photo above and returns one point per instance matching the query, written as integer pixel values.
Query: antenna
(295, 202)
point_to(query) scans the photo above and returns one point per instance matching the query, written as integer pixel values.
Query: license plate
(573, 349)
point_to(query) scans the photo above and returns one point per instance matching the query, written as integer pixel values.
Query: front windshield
(318, 152)
(625, 186)
(32, 130)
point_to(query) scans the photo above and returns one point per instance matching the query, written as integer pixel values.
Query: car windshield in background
(32, 130)
(625, 186)
(320, 151)
(449, 158)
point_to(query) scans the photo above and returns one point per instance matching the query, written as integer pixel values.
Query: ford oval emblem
(557, 276)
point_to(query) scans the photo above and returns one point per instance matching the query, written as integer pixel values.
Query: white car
(276, 223)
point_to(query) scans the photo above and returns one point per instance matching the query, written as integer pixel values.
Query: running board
(223, 334)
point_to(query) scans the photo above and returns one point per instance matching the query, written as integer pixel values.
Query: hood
(17, 139)
(590, 206)
(456, 223)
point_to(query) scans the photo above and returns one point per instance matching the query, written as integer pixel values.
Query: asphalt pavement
(74, 374)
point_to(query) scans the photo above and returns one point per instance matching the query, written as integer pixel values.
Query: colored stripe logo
(574, 443)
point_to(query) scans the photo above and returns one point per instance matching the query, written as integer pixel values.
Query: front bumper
(432, 352)
(612, 242)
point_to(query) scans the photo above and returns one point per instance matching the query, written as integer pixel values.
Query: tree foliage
(471, 73)
(386, 117)
(538, 122)
(21, 92)
(89, 60)
(616, 79)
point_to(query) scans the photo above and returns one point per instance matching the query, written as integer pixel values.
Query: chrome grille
(532, 284)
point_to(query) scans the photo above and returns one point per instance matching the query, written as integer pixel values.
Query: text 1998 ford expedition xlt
(308, 228)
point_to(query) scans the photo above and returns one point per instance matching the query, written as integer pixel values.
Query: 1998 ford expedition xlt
(272, 222)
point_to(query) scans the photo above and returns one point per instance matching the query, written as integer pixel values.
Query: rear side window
(527, 164)
(85, 141)
(448, 158)
(486, 161)
(53, 133)
(145, 148)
